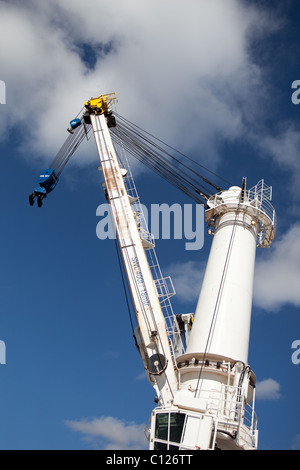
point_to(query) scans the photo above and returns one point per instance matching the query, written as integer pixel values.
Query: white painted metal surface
(151, 333)
(222, 318)
(223, 314)
(215, 379)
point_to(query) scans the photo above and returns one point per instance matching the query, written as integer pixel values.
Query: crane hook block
(47, 182)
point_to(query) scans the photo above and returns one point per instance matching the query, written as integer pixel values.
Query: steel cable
(162, 162)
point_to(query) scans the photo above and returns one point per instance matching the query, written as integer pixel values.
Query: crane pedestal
(214, 405)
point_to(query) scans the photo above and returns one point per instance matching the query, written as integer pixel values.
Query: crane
(197, 363)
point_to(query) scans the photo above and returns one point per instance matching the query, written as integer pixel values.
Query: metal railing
(259, 197)
(164, 285)
(256, 201)
(229, 406)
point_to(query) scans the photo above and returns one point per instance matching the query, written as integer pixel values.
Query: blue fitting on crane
(47, 182)
(74, 124)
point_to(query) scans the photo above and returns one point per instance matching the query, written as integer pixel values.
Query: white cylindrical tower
(222, 319)
(215, 379)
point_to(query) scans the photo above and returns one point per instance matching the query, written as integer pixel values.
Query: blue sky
(212, 79)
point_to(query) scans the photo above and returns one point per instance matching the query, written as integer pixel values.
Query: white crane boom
(151, 334)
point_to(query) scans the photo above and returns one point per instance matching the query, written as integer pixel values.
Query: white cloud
(296, 443)
(284, 149)
(187, 279)
(268, 389)
(140, 377)
(182, 70)
(277, 275)
(110, 433)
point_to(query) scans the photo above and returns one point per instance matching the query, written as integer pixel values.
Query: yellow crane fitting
(101, 104)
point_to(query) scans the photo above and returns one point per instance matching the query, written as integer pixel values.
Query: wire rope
(69, 147)
(175, 150)
(163, 168)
